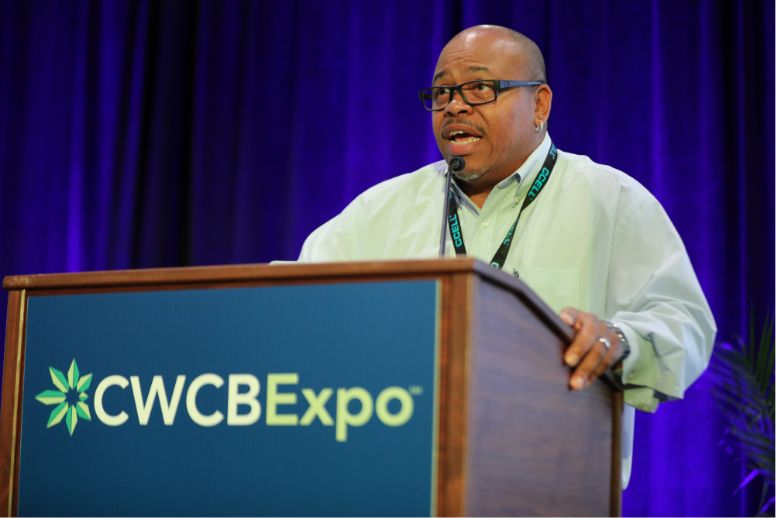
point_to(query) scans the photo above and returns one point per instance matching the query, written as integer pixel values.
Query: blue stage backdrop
(160, 133)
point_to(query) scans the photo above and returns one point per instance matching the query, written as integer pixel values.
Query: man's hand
(594, 348)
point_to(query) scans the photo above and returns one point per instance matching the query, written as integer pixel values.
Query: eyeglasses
(473, 93)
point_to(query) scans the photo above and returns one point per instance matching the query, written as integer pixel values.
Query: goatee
(468, 175)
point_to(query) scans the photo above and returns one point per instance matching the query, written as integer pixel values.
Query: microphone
(455, 165)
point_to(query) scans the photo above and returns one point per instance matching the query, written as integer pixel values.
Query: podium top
(251, 273)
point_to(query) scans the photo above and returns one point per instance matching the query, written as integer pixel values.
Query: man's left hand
(593, 349)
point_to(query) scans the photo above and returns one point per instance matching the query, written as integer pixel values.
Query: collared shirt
(594, 239)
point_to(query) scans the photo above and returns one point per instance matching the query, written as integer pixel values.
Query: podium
(424, 387)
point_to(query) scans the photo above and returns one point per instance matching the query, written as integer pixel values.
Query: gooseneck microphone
(455, 165)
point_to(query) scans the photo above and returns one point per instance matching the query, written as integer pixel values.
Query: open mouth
(462, 137)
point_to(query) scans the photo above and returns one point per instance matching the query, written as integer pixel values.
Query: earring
(539, 127)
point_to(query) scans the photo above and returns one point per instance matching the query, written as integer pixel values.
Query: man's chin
(469, 175)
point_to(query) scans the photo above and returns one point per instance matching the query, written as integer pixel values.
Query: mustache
(463, 122)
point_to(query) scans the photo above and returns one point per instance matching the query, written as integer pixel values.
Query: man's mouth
(462, 137)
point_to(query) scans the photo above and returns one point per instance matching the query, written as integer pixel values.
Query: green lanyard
(454, 224)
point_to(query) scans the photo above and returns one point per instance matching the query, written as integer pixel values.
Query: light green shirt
(594, 239)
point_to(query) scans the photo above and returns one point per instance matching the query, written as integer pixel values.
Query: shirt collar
(523, 176)
(530, 167)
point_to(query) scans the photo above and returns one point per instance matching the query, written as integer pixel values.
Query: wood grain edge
(10, 424)
(453, 392)
(227, 284)
(615, 507)
(239, 272)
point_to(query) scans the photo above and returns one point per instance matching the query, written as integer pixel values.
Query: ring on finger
(605, 342)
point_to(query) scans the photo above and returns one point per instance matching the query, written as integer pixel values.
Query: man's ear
(543, 103)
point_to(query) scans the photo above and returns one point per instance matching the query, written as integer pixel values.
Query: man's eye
(476, 87)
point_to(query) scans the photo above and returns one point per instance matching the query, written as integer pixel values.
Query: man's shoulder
(418, 181)
(602, 179)
(366, 228)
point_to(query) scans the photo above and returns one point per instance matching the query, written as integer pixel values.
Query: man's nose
(457, 104)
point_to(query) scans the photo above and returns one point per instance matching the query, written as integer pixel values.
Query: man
(591, 241)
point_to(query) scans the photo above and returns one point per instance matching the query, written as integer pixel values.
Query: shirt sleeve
(654, 296)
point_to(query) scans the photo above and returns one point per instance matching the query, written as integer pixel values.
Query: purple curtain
(147, 133)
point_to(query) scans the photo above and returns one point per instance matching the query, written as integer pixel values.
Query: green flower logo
(69, 397)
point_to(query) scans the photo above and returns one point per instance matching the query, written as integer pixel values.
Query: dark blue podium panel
(295, 400)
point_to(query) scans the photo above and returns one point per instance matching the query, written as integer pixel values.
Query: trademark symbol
(416, 390)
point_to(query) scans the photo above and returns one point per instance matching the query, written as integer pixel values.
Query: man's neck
(477, 194)
(478, 190)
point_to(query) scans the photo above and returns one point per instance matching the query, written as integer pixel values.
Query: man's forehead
(480, 52)
(471, 68)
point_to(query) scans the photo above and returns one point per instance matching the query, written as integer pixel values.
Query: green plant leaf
(56, 415)
(73, 374)
(83, 411)
(71, 420)
(51, 397)
(84, 383)
(744, 390)
(59, 380)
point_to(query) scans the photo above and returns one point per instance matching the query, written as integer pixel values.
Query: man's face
(497, 137)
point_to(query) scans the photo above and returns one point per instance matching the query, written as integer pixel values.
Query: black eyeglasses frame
(499, 85)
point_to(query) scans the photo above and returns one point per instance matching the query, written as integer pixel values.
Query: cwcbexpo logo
(243, 405)
(70, 397)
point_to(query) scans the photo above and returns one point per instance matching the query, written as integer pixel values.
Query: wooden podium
(510, 438)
